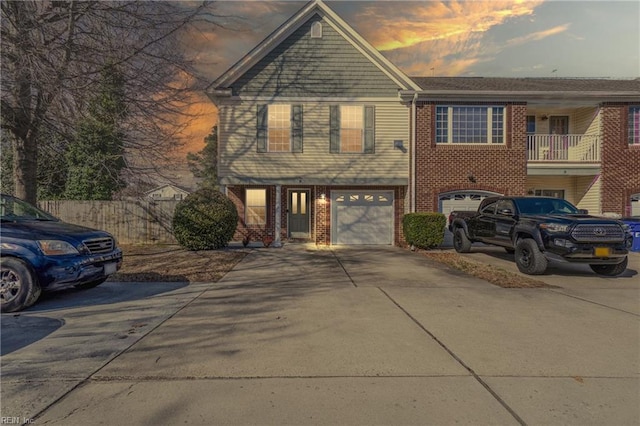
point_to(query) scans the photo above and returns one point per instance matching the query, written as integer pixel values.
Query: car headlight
(554, 227)
(56, 247)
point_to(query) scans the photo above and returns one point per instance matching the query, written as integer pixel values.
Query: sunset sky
(460, 38)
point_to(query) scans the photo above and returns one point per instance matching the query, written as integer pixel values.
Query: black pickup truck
(540, 229)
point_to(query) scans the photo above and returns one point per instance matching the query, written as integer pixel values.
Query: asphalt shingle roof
(528, 84)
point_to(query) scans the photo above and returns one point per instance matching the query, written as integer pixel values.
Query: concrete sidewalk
(364, 336)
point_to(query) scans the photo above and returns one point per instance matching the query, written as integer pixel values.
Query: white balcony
(563, 148)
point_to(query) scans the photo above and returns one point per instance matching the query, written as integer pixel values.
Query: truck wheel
(460, 241)
(529, 258)
(18, 288)
(610, 270)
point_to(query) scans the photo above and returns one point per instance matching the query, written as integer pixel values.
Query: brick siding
(448, 167)
(620, 161)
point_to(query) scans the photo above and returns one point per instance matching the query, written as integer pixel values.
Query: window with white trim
(634, 125)
(279, 128)
(256, 207)
(351, 128)
(470, 124)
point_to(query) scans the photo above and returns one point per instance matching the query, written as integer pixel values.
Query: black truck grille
(598, 233)
(99, 245)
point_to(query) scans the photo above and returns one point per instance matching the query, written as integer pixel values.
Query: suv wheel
(529, 258)
(460, 241)
(610, 270)
(18, 288)
(91, 284)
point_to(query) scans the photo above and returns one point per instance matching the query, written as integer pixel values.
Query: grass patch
(492, 274)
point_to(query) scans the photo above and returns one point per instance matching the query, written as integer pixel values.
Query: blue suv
(38, 252)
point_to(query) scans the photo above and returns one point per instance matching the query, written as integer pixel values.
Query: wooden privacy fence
(130, 221)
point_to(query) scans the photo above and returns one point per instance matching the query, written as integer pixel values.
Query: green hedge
(205, 220)
(424, 230)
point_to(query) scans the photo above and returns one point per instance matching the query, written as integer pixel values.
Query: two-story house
(323, 139)
(314, 138)
(577, 139)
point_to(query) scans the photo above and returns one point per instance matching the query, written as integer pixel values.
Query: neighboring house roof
(168, 185)
(531, 88)
(220, 86)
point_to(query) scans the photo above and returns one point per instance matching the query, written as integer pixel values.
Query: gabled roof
(175, 187)
(291, 25)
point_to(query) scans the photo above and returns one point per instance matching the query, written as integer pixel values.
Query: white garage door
(362, 217)
(635, 205)
(462, 200)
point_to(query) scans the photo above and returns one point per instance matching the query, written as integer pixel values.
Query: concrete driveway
(349, 336)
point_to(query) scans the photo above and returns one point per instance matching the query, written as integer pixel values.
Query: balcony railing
(563, 148)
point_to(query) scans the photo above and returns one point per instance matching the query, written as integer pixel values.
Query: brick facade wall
(620, 161)
(449, 167)
(320, 231)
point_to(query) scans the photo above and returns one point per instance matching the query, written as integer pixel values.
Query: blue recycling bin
(634, 224)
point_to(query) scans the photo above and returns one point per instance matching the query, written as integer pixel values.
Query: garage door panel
(362, 217)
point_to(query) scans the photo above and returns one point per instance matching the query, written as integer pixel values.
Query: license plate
(602, 252)
(110, 268)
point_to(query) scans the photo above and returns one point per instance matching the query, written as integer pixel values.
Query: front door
(299, 214)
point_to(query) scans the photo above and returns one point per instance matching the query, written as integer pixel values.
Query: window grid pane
(497, 125)
(469, 124)
(351, 128)
(442, 124)
(634, 125)
(256, 212)
(279, 126)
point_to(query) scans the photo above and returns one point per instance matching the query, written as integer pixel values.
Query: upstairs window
(531, 124)
(470, 124)
(634, 125)
(352, 129)
(279, 128)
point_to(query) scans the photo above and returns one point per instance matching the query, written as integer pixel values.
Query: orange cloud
(393, 28)
(538, 35)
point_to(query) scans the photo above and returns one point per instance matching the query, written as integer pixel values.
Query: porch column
(278, 225)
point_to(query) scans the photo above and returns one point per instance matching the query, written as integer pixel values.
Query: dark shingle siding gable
(527, 84)
(305, 66)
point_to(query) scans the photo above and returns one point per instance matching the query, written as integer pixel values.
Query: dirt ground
(164, 263)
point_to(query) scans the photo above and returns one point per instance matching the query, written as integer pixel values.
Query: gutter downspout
(412, 172)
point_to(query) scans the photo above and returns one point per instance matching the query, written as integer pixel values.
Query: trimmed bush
(424, 230)
(205, 220)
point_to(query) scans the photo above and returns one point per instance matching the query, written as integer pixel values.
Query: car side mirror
(505, 212)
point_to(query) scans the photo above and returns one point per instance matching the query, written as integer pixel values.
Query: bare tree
(53, 55)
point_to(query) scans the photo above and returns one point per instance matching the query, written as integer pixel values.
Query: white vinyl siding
(592, 189)
(582, 191)
(239, 158)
